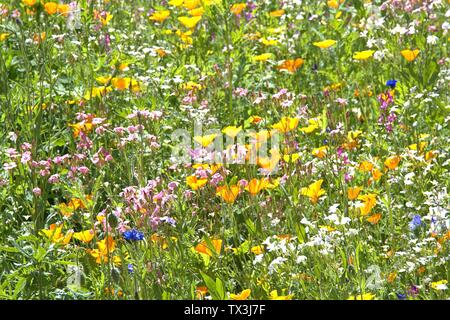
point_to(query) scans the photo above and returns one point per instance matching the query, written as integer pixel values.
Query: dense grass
(351, 201)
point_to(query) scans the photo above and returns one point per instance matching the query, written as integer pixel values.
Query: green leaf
(220, 289)
(9, 249)
(19, 287)
(210, 284)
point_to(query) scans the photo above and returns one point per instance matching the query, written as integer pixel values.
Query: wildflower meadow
(217, 149)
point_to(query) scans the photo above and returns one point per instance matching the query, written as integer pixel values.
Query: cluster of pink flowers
(147, 205)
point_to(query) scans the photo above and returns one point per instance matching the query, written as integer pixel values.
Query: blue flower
(130, 268)
(415, 222)
(391, 83)
(401, 296)
(133, 235)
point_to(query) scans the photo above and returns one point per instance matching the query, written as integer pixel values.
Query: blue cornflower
(133, 235)
(401, 296)
(391, 83)
(415, 222)
(130, 268)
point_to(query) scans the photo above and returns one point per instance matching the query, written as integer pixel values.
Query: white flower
(334, 208)
(431, 39)
(301, 259)
(408, 178)
(275, 263)
(379, 55)
(258, 259)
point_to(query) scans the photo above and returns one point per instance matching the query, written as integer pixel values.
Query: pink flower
(9, 165)
(83, 170)
(53, 178)
(26, 146)
(243, 183)
(172, 185)
(119, 130)
(12, 153)
(26, 157)
(44, 172)
(37, 191)
(342, 101)
(101, 157)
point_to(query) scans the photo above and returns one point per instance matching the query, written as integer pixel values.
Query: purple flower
(169, 220)
(413, 290)
(415, 222)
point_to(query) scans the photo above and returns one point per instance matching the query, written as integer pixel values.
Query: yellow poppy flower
(257, 249)
(228, 193)
(418, 147)
(201, 292)
(205, 140)
(363, 55)
(277, 13)
(51, 7)
(286, 124)
(160, 16)
(376, 174)
(369, 202)
(195, 183)
(197, 12)
(204, 249)
(191, 85)
(121, 83)
(64, 9)
(353, 192)
(291, 157)
(410, 55)
(314, 124)
(55, 235)
(189, 22)
(291, 65)
(241, 296)
(3, 36)
(313, 191)
(237, 8)
(439, 285)
(320, 152)
(84, 236)
(232, 131)
(105, 20)
(269, 164)
(392, 162)
(325, 44)
(366, 166)
(366, 296)
(256, 185)
(29, 3)
(97, 92)
(274, 296)
(375, 218)
(103, 79)
(176, 3)
(191, 4)
(104, 249)
(269, 42)
(262, 57)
